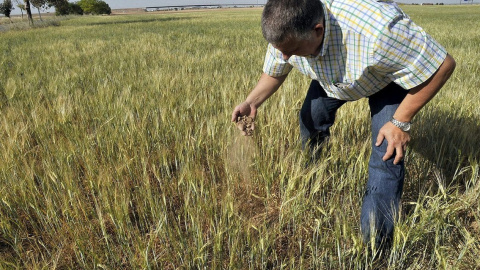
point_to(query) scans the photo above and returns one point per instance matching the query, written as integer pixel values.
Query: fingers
(390, 147)
(396, 143)
(399, 152)
(380, 138)
(244, 116)
(399, 155)
(242, 109)
(396, 148)
(389, 153)
(235, 115)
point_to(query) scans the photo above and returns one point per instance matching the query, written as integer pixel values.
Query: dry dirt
(245, 123)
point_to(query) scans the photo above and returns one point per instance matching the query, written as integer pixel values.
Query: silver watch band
(405, 126)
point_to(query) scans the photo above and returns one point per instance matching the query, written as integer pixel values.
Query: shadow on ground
(447, 142)
(450, 142)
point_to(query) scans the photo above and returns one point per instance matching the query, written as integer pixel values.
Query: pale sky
(146, 3)
(118, 4)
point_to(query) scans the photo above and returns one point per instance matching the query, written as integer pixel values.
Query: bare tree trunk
(29, 11)
(39, 15)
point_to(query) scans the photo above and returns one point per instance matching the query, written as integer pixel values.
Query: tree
(56, 3)
(39, 4)
(63, 7)
(66, 8)
(6, 8)
(95, 7)
(29, 11)
(20, 6)
(75, 9)
(103, 8)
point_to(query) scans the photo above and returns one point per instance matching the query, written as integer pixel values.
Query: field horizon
(117, 152)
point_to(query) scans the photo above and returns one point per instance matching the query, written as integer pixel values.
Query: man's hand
(265, 87)
(397, 141)
(244, 109)
(416, 98)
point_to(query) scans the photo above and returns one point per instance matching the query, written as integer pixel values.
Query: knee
(305, 117)
(385, 170)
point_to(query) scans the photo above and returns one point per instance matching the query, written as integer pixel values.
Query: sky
(153, 3)
(119, 4)
(114, 4)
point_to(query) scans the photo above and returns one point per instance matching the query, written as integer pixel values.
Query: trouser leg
(385, 181)
(317, 116)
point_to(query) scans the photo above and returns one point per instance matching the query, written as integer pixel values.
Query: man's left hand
(397, 140)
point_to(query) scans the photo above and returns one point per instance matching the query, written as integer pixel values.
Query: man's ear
(319, 29)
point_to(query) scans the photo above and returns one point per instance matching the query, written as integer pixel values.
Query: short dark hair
(282, 19)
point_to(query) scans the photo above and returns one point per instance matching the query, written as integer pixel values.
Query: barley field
(117, 152)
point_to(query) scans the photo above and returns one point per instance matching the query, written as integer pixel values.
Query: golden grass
(117, 152)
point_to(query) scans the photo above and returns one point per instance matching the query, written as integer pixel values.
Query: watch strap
(405, 126)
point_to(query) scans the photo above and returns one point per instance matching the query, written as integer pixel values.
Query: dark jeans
(385, 180)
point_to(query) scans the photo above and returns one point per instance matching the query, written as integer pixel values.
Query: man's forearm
(419, 96)
(266, 86)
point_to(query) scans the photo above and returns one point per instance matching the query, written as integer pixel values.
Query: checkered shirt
(367, 45)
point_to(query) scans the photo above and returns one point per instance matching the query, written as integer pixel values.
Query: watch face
(405, 126)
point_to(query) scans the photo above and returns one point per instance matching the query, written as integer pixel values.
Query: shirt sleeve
(406, 54)
(274, 64)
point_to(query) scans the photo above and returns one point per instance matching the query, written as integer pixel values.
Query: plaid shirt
(367, 45)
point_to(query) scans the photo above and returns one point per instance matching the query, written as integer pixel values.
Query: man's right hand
(265, 87)
(244, 109)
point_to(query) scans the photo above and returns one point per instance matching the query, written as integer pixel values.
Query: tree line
(62, 7)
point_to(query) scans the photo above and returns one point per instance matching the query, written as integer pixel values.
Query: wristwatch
(405, 126)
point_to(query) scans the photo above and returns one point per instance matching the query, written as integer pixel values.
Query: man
(353, 49)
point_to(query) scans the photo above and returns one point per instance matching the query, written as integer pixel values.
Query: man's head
(285, 21)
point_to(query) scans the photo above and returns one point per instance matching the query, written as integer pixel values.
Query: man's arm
(266, 86)
(416, 98)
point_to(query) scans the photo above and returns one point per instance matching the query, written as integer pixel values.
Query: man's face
(304, 47)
